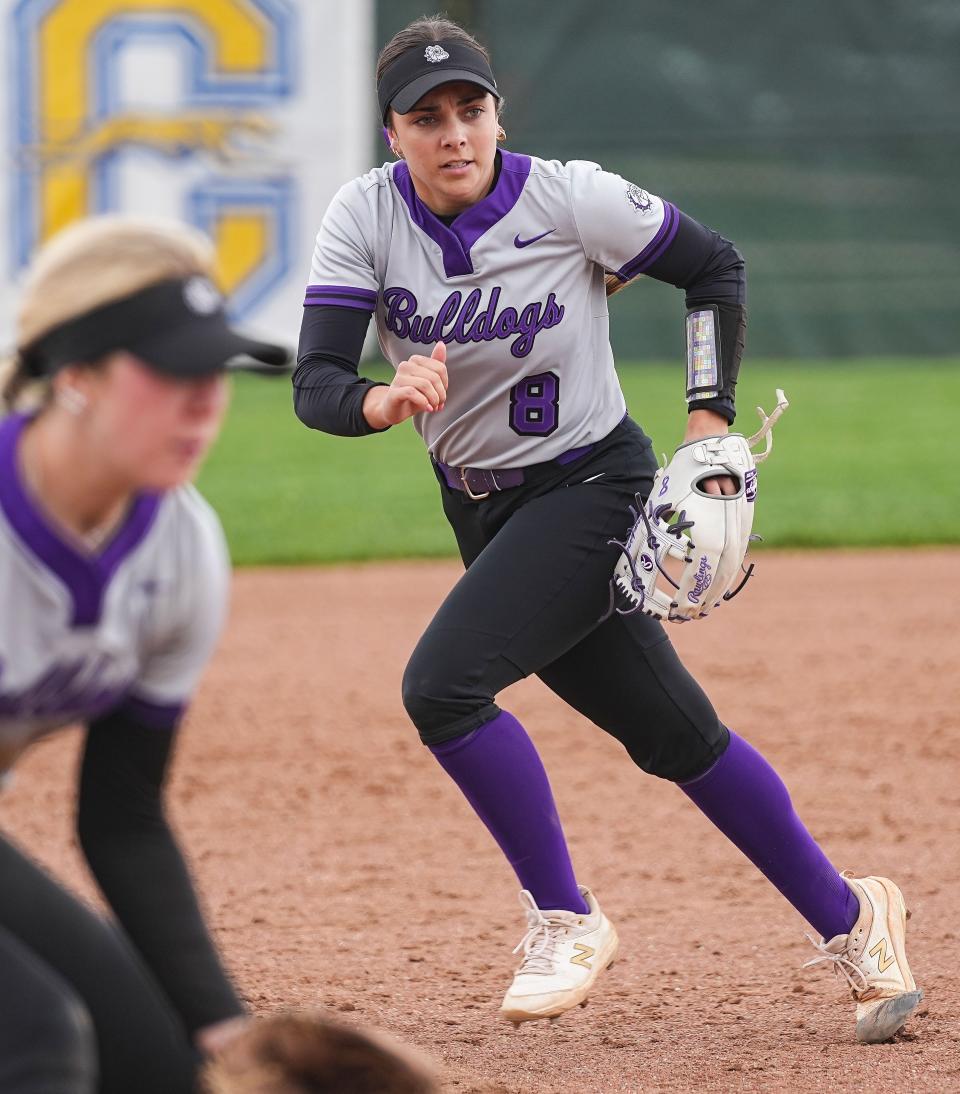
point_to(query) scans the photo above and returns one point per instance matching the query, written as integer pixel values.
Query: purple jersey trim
(456, 240)
(150, 714)
(341, 296)
(86, 576)
(574, 454)
(336, 302)
(655, 248)
(65, 692)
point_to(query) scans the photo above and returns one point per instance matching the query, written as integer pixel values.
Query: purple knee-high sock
(746, 799)
(501, 776)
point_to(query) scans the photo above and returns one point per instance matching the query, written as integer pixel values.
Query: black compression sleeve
(328, 393)
(138, 865)
(711, 270)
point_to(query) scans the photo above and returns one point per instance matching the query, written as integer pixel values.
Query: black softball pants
(79, 1011)
(536, 588)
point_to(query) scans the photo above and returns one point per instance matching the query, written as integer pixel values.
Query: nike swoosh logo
(593, 478)
(518, 242)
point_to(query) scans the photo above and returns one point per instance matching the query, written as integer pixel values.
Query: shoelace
(842, 966)
(540, 942)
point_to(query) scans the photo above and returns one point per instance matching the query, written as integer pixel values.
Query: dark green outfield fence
(822, 137)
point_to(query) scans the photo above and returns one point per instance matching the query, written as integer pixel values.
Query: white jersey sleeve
(622, 227)
(342, 270)
(176, 656)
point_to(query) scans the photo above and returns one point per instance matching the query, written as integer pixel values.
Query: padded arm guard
(715, 335)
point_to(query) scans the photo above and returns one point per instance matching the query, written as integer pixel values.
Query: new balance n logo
(582, 957)
(879, 951)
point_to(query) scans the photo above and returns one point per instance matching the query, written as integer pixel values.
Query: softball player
(486, 271)
(113, 586)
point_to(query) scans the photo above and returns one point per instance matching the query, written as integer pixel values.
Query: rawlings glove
(685, 552)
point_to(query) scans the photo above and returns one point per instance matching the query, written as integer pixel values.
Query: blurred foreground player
(113, 588)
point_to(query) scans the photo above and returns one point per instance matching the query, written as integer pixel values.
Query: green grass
(861, 458)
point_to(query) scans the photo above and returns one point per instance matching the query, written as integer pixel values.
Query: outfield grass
(862, 458)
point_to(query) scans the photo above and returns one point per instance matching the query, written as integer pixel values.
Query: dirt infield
(341, 868)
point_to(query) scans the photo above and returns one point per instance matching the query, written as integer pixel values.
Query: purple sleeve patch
(150, 714)
(341, 296)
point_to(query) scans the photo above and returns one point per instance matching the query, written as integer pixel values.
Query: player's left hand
(708, 423)
(685, 552)
(214, 1038)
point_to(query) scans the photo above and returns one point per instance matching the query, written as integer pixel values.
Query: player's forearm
(145, 880)
(705, 423)
(137, 863)
(721, 283)
(327, 399)
(712, 273)
(328, 393)
(730, 323)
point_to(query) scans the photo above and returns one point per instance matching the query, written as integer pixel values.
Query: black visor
(422, 68)
(177, 328)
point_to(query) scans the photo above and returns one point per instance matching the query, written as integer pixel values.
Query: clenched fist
(419, 386)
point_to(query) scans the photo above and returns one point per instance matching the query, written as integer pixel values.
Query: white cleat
(873, 960)
(563, 954)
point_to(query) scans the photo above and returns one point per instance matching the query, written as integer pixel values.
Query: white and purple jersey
(130, 627)
(514, 287)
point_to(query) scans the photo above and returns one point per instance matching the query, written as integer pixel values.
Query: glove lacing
(639, 513)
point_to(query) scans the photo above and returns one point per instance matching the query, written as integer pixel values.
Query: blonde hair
(304, 1052)
(92, 263)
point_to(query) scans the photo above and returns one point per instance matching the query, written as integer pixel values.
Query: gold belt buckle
(466, 487)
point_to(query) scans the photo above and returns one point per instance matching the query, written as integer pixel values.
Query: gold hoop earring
(395, 149)
(501, 134)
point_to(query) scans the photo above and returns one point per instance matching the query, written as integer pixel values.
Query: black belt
(480, 482)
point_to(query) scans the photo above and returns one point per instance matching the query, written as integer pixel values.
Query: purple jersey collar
(86, 576)
(456, 240)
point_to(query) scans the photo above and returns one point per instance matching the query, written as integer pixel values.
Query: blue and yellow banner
(200, 109)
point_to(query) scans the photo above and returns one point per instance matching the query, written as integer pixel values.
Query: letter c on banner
(71, 123)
